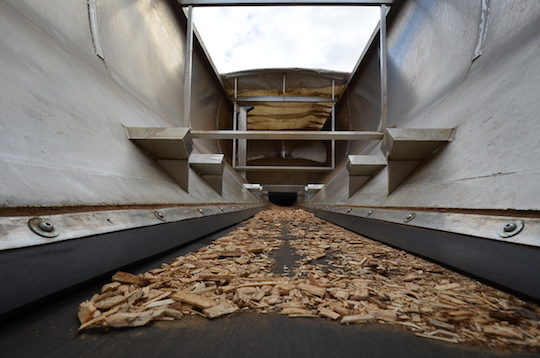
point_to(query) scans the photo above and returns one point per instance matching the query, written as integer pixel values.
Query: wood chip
(503, 331)
(328, 313)
(296, 311)
(448, 340)
(133, 319)
(446, 287)
(159, 303)
(314, 290)
(360, 281)
(192, 299)
(110, 302)
(357, 318)
(221, 310)
(126, 277)
(87, 311)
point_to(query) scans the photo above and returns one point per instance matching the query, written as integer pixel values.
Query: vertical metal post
(242, 143)
(283, 148)
(333, 123)
(188, 67)
(384, 70)
(235, 111)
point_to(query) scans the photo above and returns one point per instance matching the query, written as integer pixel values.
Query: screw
(409, 217)
(349, 210)
(46, 226)
(200, 210)
(509, 227)
(159, 215)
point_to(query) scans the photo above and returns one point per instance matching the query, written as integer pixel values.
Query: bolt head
(509, 227)
(46, 226)
(159, 215)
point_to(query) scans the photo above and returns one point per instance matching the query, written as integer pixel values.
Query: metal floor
(50, 330)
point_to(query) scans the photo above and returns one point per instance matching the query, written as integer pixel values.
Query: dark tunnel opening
(283, 199)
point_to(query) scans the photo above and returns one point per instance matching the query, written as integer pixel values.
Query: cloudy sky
(240, 38)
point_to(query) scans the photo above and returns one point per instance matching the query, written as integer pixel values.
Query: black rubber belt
(511, 266)
(32, 273)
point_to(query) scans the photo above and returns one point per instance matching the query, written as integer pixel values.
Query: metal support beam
(234, 122)
(333, 151)
(188, 67)
(242, 143)
(274, 168)
(287, 135)
(384, 69)
(283, 2)
(299, 99)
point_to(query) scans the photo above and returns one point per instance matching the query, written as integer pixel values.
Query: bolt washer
(43, 227)
(409, 217)
(510, 228)
(160, 215)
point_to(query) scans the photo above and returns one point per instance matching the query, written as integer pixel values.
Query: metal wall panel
(434, 83)
(63, 109)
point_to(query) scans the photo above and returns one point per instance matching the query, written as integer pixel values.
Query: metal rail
(287, 135)
(283, 99)
(284, 3)
(278, 168)
(188, 69)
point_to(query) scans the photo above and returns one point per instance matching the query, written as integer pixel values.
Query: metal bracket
(210, 167)
(406, 148)
(361, 169)
(170, 147)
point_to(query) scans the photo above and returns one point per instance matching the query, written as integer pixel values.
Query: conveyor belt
(51, 331)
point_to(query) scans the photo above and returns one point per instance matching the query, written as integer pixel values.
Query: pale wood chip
(110, 302)
(221, 310)
(449, 286)
(126, 277)
(328, 313)
(314, 290)
(503, 331)
(87, 311)
(448, 340)
(357, 318)
(132, 319)
(159, 303)
(193, 299)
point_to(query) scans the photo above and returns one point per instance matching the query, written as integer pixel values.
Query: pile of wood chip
(339, 276)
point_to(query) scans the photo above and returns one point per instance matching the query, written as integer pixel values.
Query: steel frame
(284, 3)
(287, 135)
(189, 65)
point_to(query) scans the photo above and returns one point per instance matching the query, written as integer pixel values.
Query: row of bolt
(508, 229)
(44, 227)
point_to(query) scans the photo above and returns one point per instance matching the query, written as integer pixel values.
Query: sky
(241, 38)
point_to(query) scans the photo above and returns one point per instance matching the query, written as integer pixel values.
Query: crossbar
(277, 168)
(284, 3)
(287, 135)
